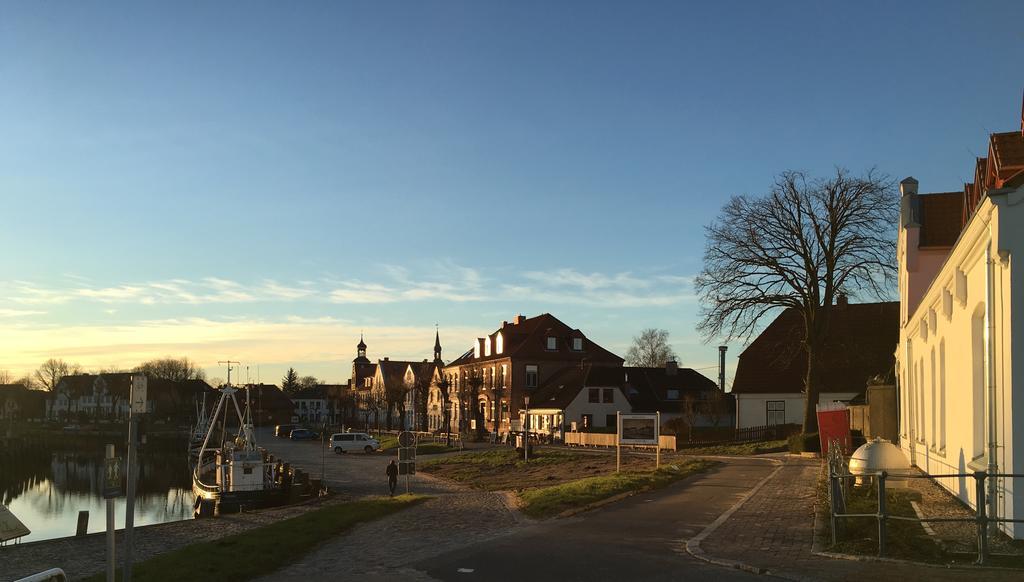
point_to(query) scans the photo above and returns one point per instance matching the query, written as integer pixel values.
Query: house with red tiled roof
(770, 376)
(961, 400)
(375, 387)
(514, 361)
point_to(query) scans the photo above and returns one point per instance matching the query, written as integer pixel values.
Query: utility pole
(138, 408)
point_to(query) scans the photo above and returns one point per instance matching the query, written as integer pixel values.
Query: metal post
(111, 527)
(832, 504)
(618, 445)
(657, 437)
(981, 518)
(881, 514)
(526, 430)
(129, 508)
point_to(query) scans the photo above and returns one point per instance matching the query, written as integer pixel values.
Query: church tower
(437, 348)
(361, 352)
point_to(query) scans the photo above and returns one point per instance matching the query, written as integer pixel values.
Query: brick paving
(774, 531)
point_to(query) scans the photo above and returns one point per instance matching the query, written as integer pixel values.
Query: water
(47, 486)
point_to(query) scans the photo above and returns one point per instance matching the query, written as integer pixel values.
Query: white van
(345, 442)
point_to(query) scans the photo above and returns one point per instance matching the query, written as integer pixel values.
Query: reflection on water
(47, 487)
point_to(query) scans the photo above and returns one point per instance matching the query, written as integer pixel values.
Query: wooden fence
(595, 439)
(750, 434)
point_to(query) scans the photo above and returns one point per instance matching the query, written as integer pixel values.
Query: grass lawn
(389, 445)
(739, 449)
(550, 501)
(262, 550)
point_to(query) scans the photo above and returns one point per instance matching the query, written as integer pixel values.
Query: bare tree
(474, 382)
(52, 371)
(421, 399)
(798, 247)
(650, 349)
(444, 386)
(5, 377)
(308, 382)
(173, 369)
(690, 410)
(715, 407)
(394, 396)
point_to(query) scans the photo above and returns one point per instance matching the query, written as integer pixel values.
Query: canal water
(46, 485)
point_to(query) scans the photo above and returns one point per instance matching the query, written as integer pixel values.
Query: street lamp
(526, 429)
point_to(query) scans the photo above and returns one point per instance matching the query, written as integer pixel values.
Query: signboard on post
(406, 455)
(113, 478)
(139, 385)
(638, 429)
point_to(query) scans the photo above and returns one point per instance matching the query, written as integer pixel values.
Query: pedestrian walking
(392, 472)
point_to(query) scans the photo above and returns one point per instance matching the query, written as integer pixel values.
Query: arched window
(499, 343)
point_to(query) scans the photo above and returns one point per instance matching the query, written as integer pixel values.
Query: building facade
(961, 403)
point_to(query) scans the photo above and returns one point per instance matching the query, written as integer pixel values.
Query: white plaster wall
(751, 409)
(940, 408)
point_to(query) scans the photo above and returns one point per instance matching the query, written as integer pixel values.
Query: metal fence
(840, 480)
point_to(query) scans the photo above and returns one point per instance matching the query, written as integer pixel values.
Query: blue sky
(261, 181)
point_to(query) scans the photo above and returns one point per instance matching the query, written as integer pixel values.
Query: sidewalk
(774, 531)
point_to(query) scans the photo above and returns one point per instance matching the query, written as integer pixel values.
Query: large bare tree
(798, 247)
(52, 371)
(173, 369)
(650, 349)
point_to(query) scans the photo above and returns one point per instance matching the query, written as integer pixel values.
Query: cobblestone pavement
(773, 530)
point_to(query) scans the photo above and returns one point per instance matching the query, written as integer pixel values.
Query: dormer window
(577, 344)
(499, 343)
(487, 346)
(552, 343)
(672, 395)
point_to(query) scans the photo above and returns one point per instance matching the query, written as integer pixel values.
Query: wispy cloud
(19, 312)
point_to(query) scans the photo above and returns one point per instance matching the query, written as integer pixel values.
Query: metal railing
(840, 479)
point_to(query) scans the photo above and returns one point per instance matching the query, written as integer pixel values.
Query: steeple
(437, 345)
(361, 350)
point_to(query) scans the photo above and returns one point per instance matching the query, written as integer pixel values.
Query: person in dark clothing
(392, 477)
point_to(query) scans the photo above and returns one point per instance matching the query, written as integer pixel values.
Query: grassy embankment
(263, 550)
(389, 445)
(555, 480)
(739, 449)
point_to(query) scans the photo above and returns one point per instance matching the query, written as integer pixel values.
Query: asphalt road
(640, 538)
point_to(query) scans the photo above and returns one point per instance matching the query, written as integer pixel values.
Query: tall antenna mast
(228, 362)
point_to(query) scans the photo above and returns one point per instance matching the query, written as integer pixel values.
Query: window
(776, 412)
(595, 395)
(552, 343)
(587, 420)
(609, 420)
(499, 343)
(247, 470)
(487, 346)
(942, 395)
(979, 365)
(672, 394)
(609, 395)
(577, 344)
(531, 376)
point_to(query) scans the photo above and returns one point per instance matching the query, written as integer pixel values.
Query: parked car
(284, 430)
(344, 442)
(303, 434)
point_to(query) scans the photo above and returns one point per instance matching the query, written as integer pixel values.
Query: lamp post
(526, 429)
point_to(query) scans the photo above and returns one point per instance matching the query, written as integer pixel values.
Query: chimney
(518, 319)
(910, 206)
(504, 324)
(842, 300)
(721, 367)
(385, 358)
(671, 368)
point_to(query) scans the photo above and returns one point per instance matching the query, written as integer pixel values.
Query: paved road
(641, 538)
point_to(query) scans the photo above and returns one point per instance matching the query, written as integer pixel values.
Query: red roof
(862, 340)
(941, 218)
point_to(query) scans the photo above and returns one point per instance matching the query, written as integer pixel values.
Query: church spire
(361, 349)
(437, 344)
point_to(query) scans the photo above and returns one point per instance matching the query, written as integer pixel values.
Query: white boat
(236, 474)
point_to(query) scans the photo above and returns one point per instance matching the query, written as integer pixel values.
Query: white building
(961, 404)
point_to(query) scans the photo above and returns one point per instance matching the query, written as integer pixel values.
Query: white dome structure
(880, 455)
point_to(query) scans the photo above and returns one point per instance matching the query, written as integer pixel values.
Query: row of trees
(49, 374)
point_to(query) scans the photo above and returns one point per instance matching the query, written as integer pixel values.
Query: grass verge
(263, 550)
(389, 446)
(544, 502)
(739, 449)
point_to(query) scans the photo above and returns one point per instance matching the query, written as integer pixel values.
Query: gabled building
(513, 361)
(770, 376)
(18, 402)
(269, 404)
(961, 396)
(311, 405)
(106, 397)
(378, 388)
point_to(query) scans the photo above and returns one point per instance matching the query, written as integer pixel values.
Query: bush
(805, 443)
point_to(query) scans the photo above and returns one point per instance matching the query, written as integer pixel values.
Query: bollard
(881, 514)
(83, 524)
(980, 517)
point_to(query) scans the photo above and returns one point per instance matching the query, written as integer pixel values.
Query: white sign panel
(139, 394)
(638, 429)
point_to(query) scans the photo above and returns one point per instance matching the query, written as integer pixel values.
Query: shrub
(804, 443)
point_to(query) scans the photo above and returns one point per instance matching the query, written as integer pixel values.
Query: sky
(262, 181)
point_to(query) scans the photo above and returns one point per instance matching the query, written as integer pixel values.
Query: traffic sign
(406, 439)
(112, 478)
(407, 468)
(139, 393)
